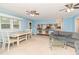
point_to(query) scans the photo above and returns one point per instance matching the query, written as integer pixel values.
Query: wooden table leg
(26, 36)
(8, 46)
(17, 41)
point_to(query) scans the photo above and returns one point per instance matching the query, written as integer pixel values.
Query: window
(16, 24)
(5, 23)
(9, 23)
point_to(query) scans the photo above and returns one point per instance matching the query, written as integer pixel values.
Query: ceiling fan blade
(76, 7)
(69, 5)
(27, 11)
(37, 13)
(76, 4)
(33, 11)
(66, 5)
(61, 9)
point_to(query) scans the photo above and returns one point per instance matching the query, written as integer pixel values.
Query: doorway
(77, 25)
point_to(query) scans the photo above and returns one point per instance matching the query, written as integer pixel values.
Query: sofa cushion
(58, 33)
(65, 34)
(75, 36)
(61, 33)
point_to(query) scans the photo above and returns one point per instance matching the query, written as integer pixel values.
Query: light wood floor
(38, 45)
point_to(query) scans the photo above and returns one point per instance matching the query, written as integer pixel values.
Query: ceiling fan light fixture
(68, 10)
(32, 15)
(72, 9)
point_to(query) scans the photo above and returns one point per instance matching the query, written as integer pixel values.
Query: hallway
(38, 45)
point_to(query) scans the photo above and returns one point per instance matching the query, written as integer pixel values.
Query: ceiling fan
(70, 7)
(32, 13)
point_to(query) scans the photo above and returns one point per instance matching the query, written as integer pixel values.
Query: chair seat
(11, 41)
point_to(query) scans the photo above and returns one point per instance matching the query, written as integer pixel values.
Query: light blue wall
(69, 24)
(25, 24)
(42, 21)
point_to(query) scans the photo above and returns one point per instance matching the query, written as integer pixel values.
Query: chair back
(1, 40)
(5, 36)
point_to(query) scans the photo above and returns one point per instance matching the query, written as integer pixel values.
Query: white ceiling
(47, 11)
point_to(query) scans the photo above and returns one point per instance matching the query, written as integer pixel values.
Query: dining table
(20, 36)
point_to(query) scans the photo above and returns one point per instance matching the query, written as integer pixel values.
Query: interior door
(77, 25)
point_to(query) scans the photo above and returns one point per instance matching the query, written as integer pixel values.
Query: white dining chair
(1, 40)
(7, 40)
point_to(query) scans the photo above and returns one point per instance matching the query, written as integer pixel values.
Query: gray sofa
(69, 37)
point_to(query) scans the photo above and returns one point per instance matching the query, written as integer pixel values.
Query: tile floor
(37, 45)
